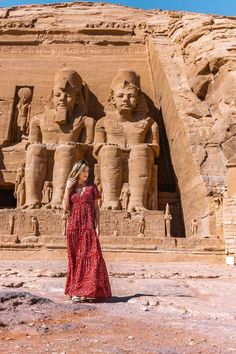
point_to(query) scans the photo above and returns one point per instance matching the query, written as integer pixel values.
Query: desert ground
(164, 308)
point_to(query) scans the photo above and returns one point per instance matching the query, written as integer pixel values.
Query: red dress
(87, 274)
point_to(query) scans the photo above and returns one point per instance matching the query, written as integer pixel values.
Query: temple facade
(150, 104)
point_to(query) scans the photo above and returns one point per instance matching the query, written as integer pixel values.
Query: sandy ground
(165, 308)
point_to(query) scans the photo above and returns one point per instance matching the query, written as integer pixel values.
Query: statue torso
(126, 133)
(53, 133)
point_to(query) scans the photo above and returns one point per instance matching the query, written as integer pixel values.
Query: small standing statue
(194, 227)
(33, 233)
(34, 226)
(142, 226)
(167, 218)
(116, 226)
(124, 196)
(47, 193)
(64, 219)
(23, 112)
(19, 191)
(11, 224)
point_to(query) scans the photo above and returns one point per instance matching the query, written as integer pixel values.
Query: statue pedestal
(9, 238)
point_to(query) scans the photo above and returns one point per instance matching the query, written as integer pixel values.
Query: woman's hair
(78, 168)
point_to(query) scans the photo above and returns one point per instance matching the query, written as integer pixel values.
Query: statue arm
(35, 135)
(155, 144)
(89, 124)
(100, 136)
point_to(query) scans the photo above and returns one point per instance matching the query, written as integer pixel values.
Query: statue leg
(140, 173)
(35, 172)
(65, 156)
(110, 162)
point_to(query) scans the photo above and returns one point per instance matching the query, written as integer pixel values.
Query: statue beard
(61, 116)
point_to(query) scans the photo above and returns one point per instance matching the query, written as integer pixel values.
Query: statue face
(125, 98)
(24, 99)
(64, 98)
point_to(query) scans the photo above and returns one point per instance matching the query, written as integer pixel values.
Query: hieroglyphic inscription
(73, 49)
(125, 224)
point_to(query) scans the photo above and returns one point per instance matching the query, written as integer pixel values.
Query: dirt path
(156, 308)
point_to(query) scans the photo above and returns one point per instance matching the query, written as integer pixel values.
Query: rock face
(186, 65)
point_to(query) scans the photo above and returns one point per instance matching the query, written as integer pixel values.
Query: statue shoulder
(35, 120)
(83, 120)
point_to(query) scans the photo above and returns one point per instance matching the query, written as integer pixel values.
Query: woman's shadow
(116, 299)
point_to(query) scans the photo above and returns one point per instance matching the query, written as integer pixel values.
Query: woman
(87, 276)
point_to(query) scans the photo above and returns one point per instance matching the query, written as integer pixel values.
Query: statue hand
(155, 148)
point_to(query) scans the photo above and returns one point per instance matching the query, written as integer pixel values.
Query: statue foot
(31, 206)
(113, 205)
(56, 206)
(137, 208)
(47, 206)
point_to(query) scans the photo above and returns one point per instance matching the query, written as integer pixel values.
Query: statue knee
(142, 152)
(110, 155)
(36, 150)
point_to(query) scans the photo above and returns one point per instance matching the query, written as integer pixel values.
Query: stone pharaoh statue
(57, 132)
(126, 143)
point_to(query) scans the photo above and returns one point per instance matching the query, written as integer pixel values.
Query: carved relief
(116, 28)
(21, 115)
(33, 233)
(194, 227)
(125, 224)
(64, 219)
(18, 24)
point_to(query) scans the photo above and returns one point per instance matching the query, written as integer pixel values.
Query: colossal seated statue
(57, 138)
(125, 145)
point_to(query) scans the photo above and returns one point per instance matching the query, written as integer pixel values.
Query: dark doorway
(7, 199)
(168, 189)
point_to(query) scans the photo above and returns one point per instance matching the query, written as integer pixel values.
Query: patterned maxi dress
(87, 274)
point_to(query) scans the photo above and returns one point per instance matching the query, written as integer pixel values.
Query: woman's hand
(70, 183)
(98, 230)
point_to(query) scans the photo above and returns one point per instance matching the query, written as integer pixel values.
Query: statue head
(125, 90)
(25, 94)
(47, 184)
(66, 93)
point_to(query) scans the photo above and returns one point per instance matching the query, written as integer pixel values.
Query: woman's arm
(97, 218)
(66, 200)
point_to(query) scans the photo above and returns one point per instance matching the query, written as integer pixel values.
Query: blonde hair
(78, 168)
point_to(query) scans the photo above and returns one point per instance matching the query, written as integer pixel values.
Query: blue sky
(224, 7)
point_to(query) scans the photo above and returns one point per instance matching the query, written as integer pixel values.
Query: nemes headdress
(123, 76)
(69, 77)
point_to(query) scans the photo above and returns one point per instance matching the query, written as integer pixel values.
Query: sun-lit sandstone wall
(192, 188)
(186, 63)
